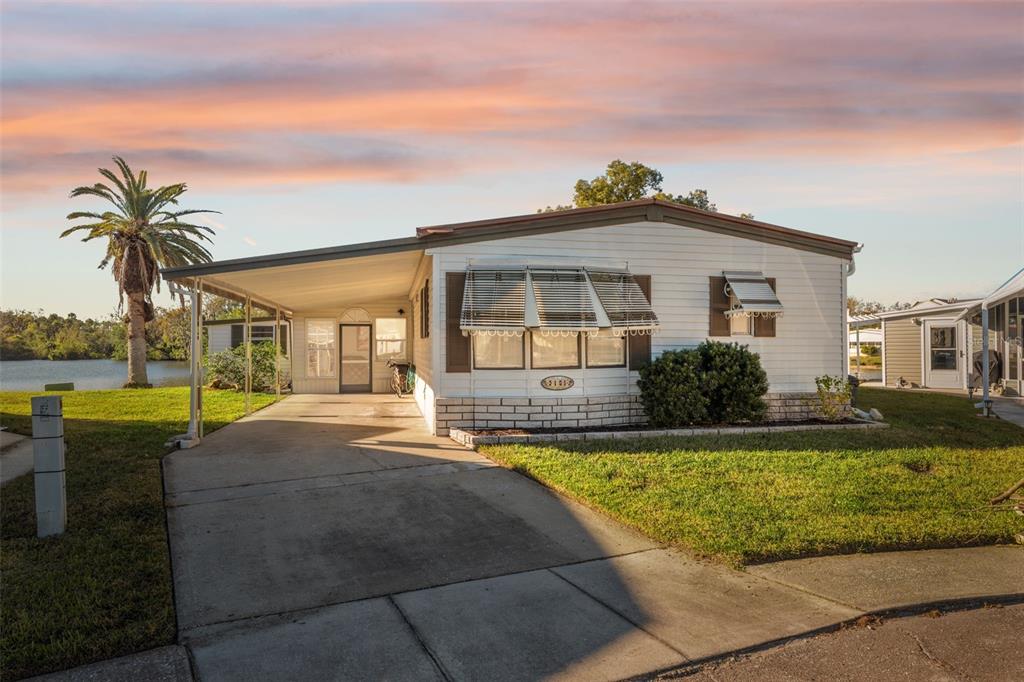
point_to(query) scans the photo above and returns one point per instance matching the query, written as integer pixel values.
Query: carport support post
(248, 354)
(195, 403)
(277, 353)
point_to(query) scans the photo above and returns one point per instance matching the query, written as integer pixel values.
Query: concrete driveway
(331, 537)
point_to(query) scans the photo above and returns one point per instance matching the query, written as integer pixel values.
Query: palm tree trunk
(137, 340)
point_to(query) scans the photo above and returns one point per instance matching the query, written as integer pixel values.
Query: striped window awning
(623, 301)
(494, 301)
(563, 301)
(554, 301)
(750, 294)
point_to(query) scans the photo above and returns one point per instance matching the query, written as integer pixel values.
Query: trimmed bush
(733, 381)
(227, 368)
(670, 390)
(718, 383)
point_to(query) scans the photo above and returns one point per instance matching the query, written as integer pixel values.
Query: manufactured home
(544, 320)
(939, 343)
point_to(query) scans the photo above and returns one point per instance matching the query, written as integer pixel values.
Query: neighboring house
(544, 320)
(867, 341)
(938, 343)
(926, 345)
(1000, 315)
(223, 335)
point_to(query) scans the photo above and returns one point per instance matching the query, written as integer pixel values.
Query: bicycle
(400, 377)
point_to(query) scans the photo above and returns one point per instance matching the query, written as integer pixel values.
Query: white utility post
(48, 453)
(248, 354)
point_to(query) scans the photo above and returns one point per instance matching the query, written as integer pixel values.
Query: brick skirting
(574, 412)
(538, 413)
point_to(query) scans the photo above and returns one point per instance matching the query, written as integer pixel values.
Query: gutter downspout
(848, 270)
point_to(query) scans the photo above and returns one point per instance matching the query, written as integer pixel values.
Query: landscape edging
(473, 441)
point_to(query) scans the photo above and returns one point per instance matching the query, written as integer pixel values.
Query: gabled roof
(654, 210)
(930, 307)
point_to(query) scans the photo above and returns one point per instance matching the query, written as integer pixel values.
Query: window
(390, 337)
(943, 347)
(606, 350)
(551, 351)
(320, 340)
(262, 332)
(491, 351)
(741, 325)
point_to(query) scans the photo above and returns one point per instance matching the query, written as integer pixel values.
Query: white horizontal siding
(218, 338)
(381, 372)
(809, 337)
(423, 350)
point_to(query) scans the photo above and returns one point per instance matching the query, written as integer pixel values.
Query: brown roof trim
(654, 210)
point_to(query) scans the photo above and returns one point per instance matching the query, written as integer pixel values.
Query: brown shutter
(456, 345)
(639, 347)
(237, 335)
(718, 323)
(765, 326)
(282, 337)
(425, 309)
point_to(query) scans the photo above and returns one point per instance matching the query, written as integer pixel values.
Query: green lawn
(104, 587)
(746, 499)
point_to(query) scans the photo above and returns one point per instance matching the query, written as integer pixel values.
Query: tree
(628, 182)
(856, 306)
(698, 198)
(621, 182)
(144, 232)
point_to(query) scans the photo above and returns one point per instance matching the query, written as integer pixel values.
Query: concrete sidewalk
(1009, 409)
(16, 456)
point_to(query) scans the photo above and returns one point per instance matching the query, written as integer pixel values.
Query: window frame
(522, 365)
(625, 353)
(333, 327)
(405, 340)
(579, 355)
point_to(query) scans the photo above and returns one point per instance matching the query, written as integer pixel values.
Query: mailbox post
(48, 455)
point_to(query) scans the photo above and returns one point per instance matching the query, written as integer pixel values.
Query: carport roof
(324, 277)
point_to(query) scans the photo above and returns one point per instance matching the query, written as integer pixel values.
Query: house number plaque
(557, 382)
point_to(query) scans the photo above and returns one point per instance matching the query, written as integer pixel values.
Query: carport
(352, 275)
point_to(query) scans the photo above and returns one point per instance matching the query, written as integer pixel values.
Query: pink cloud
(336, 95)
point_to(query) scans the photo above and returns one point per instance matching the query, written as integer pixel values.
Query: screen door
(356, 368)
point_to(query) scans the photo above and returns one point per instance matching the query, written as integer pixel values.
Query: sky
(309, 124)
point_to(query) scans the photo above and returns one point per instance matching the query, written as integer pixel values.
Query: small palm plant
(143, 233)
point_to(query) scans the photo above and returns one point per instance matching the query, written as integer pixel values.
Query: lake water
(30, 375)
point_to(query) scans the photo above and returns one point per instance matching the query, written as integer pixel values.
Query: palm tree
(143, 234)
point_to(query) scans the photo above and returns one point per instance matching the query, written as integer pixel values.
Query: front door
(356, 367)
(943, 364)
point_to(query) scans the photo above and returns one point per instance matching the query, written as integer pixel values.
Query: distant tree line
(26, 335)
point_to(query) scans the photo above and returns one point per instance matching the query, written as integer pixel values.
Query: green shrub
(670, 390)
(720, 383)
(733, 382)
(227, 368)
